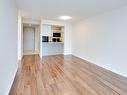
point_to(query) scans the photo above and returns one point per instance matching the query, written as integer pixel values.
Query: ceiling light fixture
(65, 17)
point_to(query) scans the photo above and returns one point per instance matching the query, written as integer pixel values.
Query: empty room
(63, 47)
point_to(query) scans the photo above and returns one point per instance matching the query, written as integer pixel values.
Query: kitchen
(52, 40)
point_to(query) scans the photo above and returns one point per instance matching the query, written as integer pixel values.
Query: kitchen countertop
(53, 42)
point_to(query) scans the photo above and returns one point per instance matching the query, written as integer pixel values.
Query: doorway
(30, 39)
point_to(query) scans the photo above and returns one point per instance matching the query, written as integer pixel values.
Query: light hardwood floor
(65, 75)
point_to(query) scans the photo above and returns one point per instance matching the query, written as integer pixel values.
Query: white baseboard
(31, 53)
(11, 82)
(67, 53)
(102, 66)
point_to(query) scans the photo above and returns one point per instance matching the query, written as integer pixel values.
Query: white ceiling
(78, 9)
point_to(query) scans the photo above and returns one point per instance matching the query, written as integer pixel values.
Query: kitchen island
(52, 48)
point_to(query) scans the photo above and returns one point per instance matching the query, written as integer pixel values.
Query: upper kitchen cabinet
(47, 31)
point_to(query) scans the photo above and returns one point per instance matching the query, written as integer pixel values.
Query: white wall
(67, 38)
(31, 21)
(8, 47)
(102, 40)
(20, 38)
(37, 38)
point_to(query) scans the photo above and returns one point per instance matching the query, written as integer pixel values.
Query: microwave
(56, 34)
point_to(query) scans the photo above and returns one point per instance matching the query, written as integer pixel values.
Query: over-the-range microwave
(56, 34)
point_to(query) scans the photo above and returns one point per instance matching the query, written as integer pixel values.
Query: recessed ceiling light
(65, 17)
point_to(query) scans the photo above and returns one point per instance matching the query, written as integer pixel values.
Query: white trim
(67, 53)
(19, 37)
(11, 81)
(31, 52)
(105, 67)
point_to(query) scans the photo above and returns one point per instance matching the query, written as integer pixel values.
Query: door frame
(36, 41)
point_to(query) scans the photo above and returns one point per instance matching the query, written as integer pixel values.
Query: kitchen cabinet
(47, 31)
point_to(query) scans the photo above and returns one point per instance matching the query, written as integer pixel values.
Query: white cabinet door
(47, 30)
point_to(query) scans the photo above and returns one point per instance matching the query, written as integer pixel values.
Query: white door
(29, 39)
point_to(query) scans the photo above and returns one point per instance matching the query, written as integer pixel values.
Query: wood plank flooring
(65, 75)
